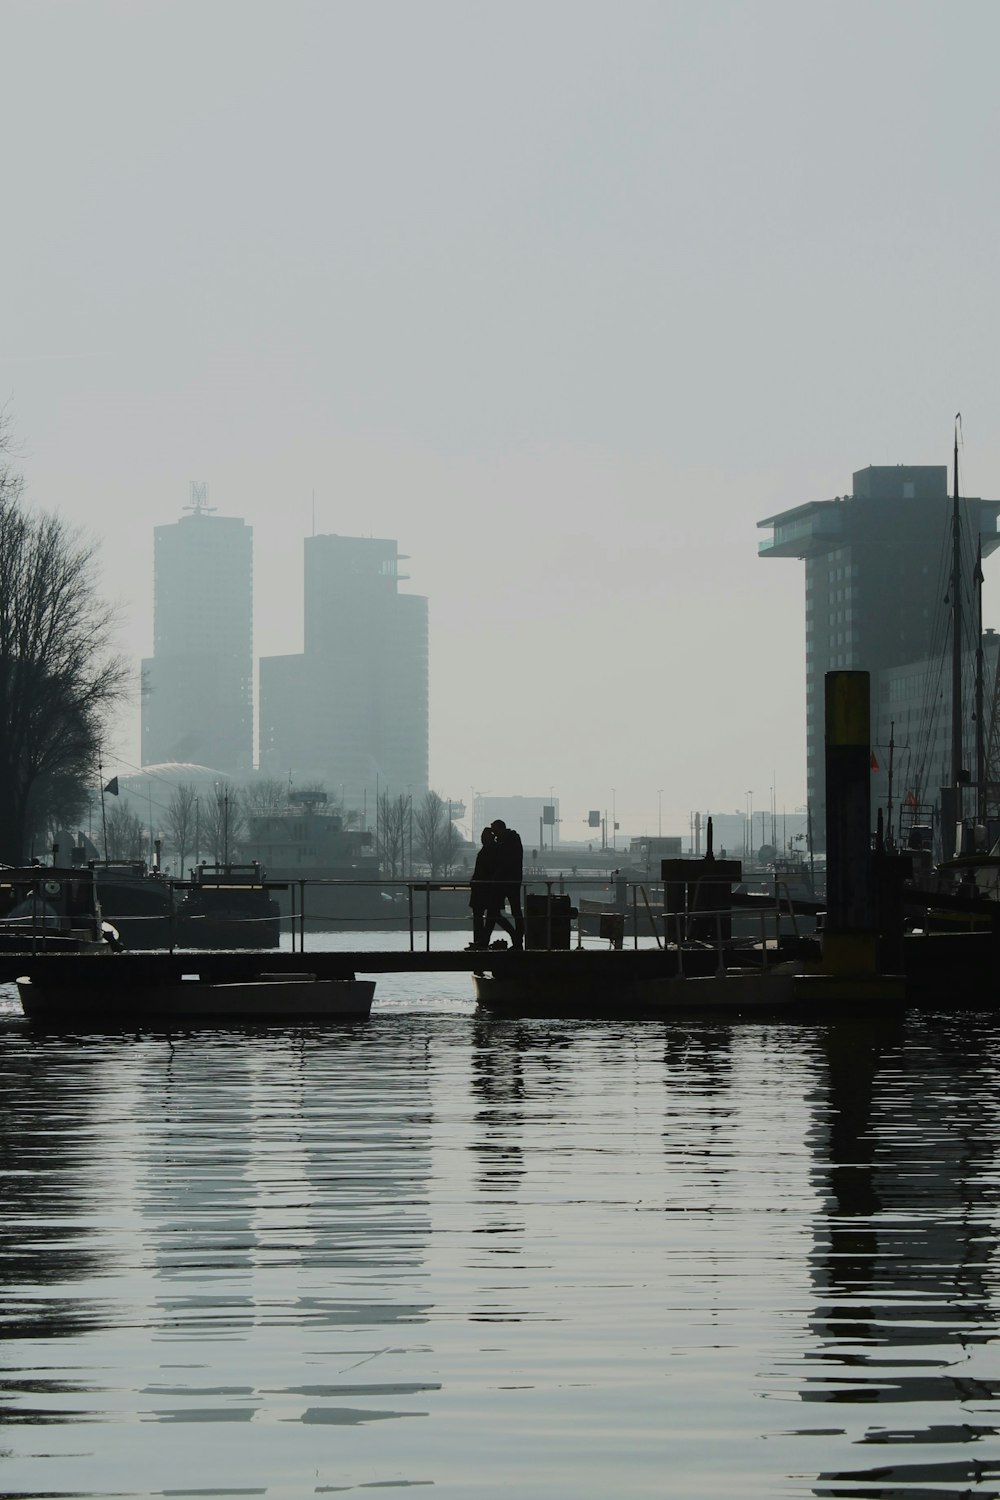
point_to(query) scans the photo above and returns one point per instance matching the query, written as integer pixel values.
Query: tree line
(410, 836)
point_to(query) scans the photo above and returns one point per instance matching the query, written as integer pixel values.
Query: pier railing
(560, 912)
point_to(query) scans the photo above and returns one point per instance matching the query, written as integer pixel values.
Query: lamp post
(659, 812)
(614, 822)
(749, 848)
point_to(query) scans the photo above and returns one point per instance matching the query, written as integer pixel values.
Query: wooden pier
(134, 969)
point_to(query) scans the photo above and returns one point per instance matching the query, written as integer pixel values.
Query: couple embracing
(496, 879)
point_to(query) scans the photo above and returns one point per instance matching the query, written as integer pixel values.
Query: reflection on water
(904, 1259)
(493, 1257)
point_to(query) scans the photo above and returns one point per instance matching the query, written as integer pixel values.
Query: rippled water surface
(494, 1258)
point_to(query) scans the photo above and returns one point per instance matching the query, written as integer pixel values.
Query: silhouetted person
(482, 885)
(510, 873)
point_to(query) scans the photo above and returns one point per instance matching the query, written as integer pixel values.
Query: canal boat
(229, 906)
(49, 909)
(265, 999)
(136, 990)
(137, 900)
(593, 992)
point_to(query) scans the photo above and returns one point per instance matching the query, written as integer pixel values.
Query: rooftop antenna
(199, 499)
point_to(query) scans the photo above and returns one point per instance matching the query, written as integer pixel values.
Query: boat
(791, 988)
(228, 906)
(139, 901)
(586, 994)
(143, 989)
(49, 909)
(959, 894)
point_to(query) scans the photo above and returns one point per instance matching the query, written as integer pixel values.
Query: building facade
(197, 687)
(878, 567)
(351, 711)
(911, 732)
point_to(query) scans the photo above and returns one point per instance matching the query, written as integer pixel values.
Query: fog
(564, 297)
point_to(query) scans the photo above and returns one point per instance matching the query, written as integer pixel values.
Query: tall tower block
(873, 581)
(352, 709)
(197, 702)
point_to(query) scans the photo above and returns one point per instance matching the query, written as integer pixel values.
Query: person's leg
(514, 898)
(496, 918)
(508, 927)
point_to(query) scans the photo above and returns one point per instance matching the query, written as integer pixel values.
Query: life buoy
(51, 888)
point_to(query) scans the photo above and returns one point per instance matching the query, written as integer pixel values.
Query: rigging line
(931, 707)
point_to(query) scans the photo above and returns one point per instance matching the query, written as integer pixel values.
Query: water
(493, 1258)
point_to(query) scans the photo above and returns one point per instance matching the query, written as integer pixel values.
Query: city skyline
(564, 317)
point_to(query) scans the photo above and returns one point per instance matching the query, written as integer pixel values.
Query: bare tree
(263, 796)
(124, 833)
(222, 821)
(56, 804)
(179, 822)
(435, 840)
(58, 677)
(393, 816)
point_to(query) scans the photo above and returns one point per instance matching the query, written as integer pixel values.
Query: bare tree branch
(58, 674)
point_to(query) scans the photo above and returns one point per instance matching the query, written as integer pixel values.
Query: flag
(910, 800)
(874, 762)
(112, 786)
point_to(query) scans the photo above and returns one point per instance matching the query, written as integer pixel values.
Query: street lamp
(749, 845)
(614, 821)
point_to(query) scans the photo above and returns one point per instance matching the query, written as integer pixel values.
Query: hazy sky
(564, 296)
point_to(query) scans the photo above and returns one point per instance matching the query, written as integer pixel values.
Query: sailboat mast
(956, 640)
(980, 669)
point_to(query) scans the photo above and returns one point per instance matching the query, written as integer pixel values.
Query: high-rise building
(197, 697)
(352, 709)
(878, 565)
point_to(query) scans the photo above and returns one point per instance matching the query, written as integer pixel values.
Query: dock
(134, 969)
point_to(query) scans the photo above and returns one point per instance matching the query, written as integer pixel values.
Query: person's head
(487, 835)
(499, 827)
